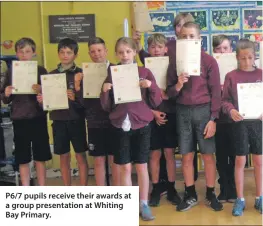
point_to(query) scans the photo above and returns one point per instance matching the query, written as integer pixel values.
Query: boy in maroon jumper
(69, 124)
(198, 105)
(225, 157)
(245, 132)
(29, 120)
(179, 20)
(131, 123)
(100, 140)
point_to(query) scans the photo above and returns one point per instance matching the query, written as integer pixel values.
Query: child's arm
(6, 94)
(214, 88)
(175, 83)
(155, 96)
(142, 55)
(227, 101)
(105, 96)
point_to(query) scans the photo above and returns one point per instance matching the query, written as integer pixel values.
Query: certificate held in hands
(250, 99)
(24, 76)
(226, 62)
(94, 75)
(125, 81)
(158, 66)
(188, 56)
(54, 91)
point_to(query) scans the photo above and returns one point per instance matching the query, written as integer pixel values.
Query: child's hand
(40, 98)
(235, 115)
(77, 79)
(159, 117)
(164, 95)
(261, 117)
(182, 78)
(145, 83)
(36, 88)
(8, 91)
(210, 129)
(136, 36)
(71, 94)
(106, 87)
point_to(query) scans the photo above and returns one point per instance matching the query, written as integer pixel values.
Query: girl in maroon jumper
(133, 143)
(245, 132)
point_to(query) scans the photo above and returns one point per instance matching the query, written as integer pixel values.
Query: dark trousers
(2, 143)
(225, 158)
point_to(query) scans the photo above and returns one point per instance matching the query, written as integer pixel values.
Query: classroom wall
(20, 19)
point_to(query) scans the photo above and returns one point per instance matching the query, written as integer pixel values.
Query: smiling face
(98, 53)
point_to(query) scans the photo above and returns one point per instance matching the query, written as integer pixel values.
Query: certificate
(142, 19)
(250, 99)
(226, 62)
(54, 91)
(24, 76)
(125, 81)
(158, 66)
(188, 56)
(94, 74)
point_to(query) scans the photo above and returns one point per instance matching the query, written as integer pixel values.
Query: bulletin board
(234, 19)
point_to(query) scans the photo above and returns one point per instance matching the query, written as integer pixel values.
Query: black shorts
(31, 134)
(132, 146)
(100, 141)
(164, 136)
(245, 134)
(73, 131)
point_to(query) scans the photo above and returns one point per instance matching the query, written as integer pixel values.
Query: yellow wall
(19, 19)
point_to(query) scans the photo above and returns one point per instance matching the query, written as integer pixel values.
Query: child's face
(179, 27)
(246, 59)
(25, 54)
(189, 33)
(157, 49)
(98, 53)
(224, 47)
(66, 56)
(125, 54)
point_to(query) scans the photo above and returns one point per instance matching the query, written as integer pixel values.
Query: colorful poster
(225, 19)
(158, 5)
(207, 4)
(254, 37)
(163, 21)
(201, 17)
(205, 43)
(252, 19)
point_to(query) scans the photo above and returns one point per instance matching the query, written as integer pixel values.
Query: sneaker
(146, 213)
(214, 203)
(258, 204)
(173, 197)
(155, 198)
(187, 203)
(238, 207)
(222, 197)
(232, 195)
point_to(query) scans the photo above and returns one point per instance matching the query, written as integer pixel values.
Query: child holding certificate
(100, 141)
(163, 132)
(225, 157)
(29, 119)
(197, 108)
(69, 124)
(131, 122)
(245, 132)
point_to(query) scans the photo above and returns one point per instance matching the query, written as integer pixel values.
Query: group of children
(193, 109)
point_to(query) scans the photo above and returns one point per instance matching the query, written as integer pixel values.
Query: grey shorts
(190, 121)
